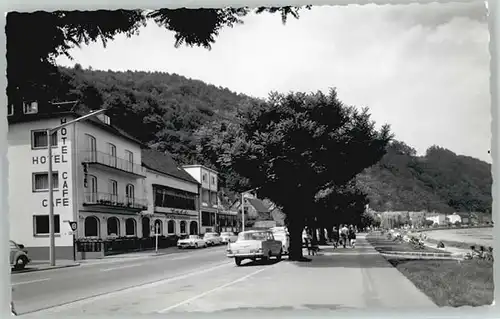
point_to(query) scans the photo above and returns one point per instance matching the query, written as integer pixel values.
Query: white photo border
(51, 5)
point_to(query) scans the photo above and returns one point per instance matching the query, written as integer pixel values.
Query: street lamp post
(243, 207)
(52, 248)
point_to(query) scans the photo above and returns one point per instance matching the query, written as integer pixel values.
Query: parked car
(253, 245)
(212, 239)
(228, 237)
(281, 234)
(18, 256)
(192, 241)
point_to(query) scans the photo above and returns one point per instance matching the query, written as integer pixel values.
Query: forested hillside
(164, 110)
(440, 180)
(158, 108)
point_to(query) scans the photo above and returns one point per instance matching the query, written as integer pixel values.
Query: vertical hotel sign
(61, 161)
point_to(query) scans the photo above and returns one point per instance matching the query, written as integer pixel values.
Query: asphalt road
(206, 281)
(39, 290)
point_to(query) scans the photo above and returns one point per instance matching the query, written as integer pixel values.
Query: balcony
(114, 201)
(114, 163)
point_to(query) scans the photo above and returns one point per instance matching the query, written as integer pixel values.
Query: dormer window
(105, 119)
(10, 110)
(30, 107)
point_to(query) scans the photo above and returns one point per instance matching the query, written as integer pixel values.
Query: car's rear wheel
(237, 261)
(21, 262)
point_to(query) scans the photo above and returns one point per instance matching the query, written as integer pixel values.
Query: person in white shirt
(343, 234)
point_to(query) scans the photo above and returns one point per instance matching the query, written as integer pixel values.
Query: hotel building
(98, 179)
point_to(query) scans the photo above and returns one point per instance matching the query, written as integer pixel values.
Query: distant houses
(258, 213)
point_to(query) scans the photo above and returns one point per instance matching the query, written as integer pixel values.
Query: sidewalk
(357, 278)
(40, 265)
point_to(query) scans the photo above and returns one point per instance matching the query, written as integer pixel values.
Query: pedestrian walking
(343, 235)
(305, 237)
(335, 237)
(352, 236)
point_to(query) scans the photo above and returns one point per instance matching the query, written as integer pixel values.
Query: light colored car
(228, 237)
(193, 241)
(212, 239)
(253, 245)
(18, 256)
(281, 234)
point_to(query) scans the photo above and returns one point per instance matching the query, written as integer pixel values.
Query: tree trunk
(322, 237)
(295, 228)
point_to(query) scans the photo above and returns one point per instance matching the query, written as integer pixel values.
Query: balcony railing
(117, 201)
(113, 161)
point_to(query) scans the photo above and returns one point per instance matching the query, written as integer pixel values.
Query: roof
(258, 205)
(200, 166)
(75, 113)
(165, 164)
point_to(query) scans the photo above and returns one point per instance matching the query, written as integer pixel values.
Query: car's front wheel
(278, 258)
(21, 263)
(237, 261)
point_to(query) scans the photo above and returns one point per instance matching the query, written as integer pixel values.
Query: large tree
(36, 39)
(292, 147)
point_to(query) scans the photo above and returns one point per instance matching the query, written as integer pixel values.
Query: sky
(423, 69)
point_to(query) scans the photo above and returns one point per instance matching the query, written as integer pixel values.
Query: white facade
(453, 218)
(28, 206)
(92, 206)
(208, 178)
(184, 221)
(99, 200)
(439, 219)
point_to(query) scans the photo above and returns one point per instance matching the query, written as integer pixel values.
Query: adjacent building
(209, 206)
(172, 193)
(97, 178)
(257, 214)
(439, 219)
(453, 218)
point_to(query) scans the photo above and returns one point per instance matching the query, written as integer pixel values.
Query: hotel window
(171, 227)
(41, 224)
(129, 193)
(91, 144)
(130, 227)
(129, 160)
(204, 177)
(10, 109)
(113, 190)
(30, 107)
(41, 181)
(213, 180)
(92, 195)
(39, 139)
(112, 155)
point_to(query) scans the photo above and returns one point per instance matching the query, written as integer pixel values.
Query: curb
(417, 257)
(42, 269)
(411, 253)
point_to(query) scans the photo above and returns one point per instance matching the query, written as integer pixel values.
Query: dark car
(18, 256)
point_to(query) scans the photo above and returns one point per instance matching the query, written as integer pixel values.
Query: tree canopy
(295, 146)
(34, 40)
